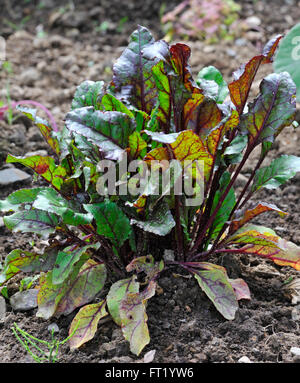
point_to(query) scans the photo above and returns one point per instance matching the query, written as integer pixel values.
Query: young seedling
(145, 164)
(30, 342)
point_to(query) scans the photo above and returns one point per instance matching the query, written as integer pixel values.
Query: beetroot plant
(142, 180)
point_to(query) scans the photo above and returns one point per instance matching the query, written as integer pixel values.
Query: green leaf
(44, 127)
(237, 145)
(272, 110)
(109, 131)
(88, 93)
(277, 173)
(66, 259)
(211, 81)
(134, 318)
(22, 260)
(81, 286)
(288, 56)
(164, 96)
(17, 200)
(111, 222)
(133, 80)
(117, 292)
(247, 234)
(162, 137)
(49, 200)
(32, 221)
(214, 281)
(226, 207)
(136, 144)
(160, 221)
(85, 323)
(43, 166)
(110, 103)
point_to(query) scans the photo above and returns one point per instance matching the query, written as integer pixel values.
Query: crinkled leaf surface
(49, 200)
(111, 221)
(272, 110)
(88, 93)
(134, 318)
(133, 80)
(204, 117)
(85, 323)
(111, 103)
(117, 292)
(214, 282)
(107, 130)
(211, 81)
(189, 147)
(160, 221)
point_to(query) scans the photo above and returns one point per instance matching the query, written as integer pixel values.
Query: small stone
(74, 19)
(41, 152)
(295, 351)
(244, 359)
(2, 308)
(53, 327)
(1, 222)
(117, 334)
(29, 76)
(296, 313)
(200, 357)
(110, 348)
(231, 52)
(253, 21)
(209, 49)
(121, 359)
(12, 175)
(241, 180)
(24, 300)
(240, 42)
(149, 356)
(168, 255)
(187, 327)
(73, 32)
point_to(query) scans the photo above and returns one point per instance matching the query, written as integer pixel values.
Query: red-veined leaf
(84, 325)
(243, 77)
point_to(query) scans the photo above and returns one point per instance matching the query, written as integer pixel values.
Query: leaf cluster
(153, 111)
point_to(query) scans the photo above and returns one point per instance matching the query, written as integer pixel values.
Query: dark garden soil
(183, 324)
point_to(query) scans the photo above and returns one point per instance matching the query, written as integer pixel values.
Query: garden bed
(183, 324)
